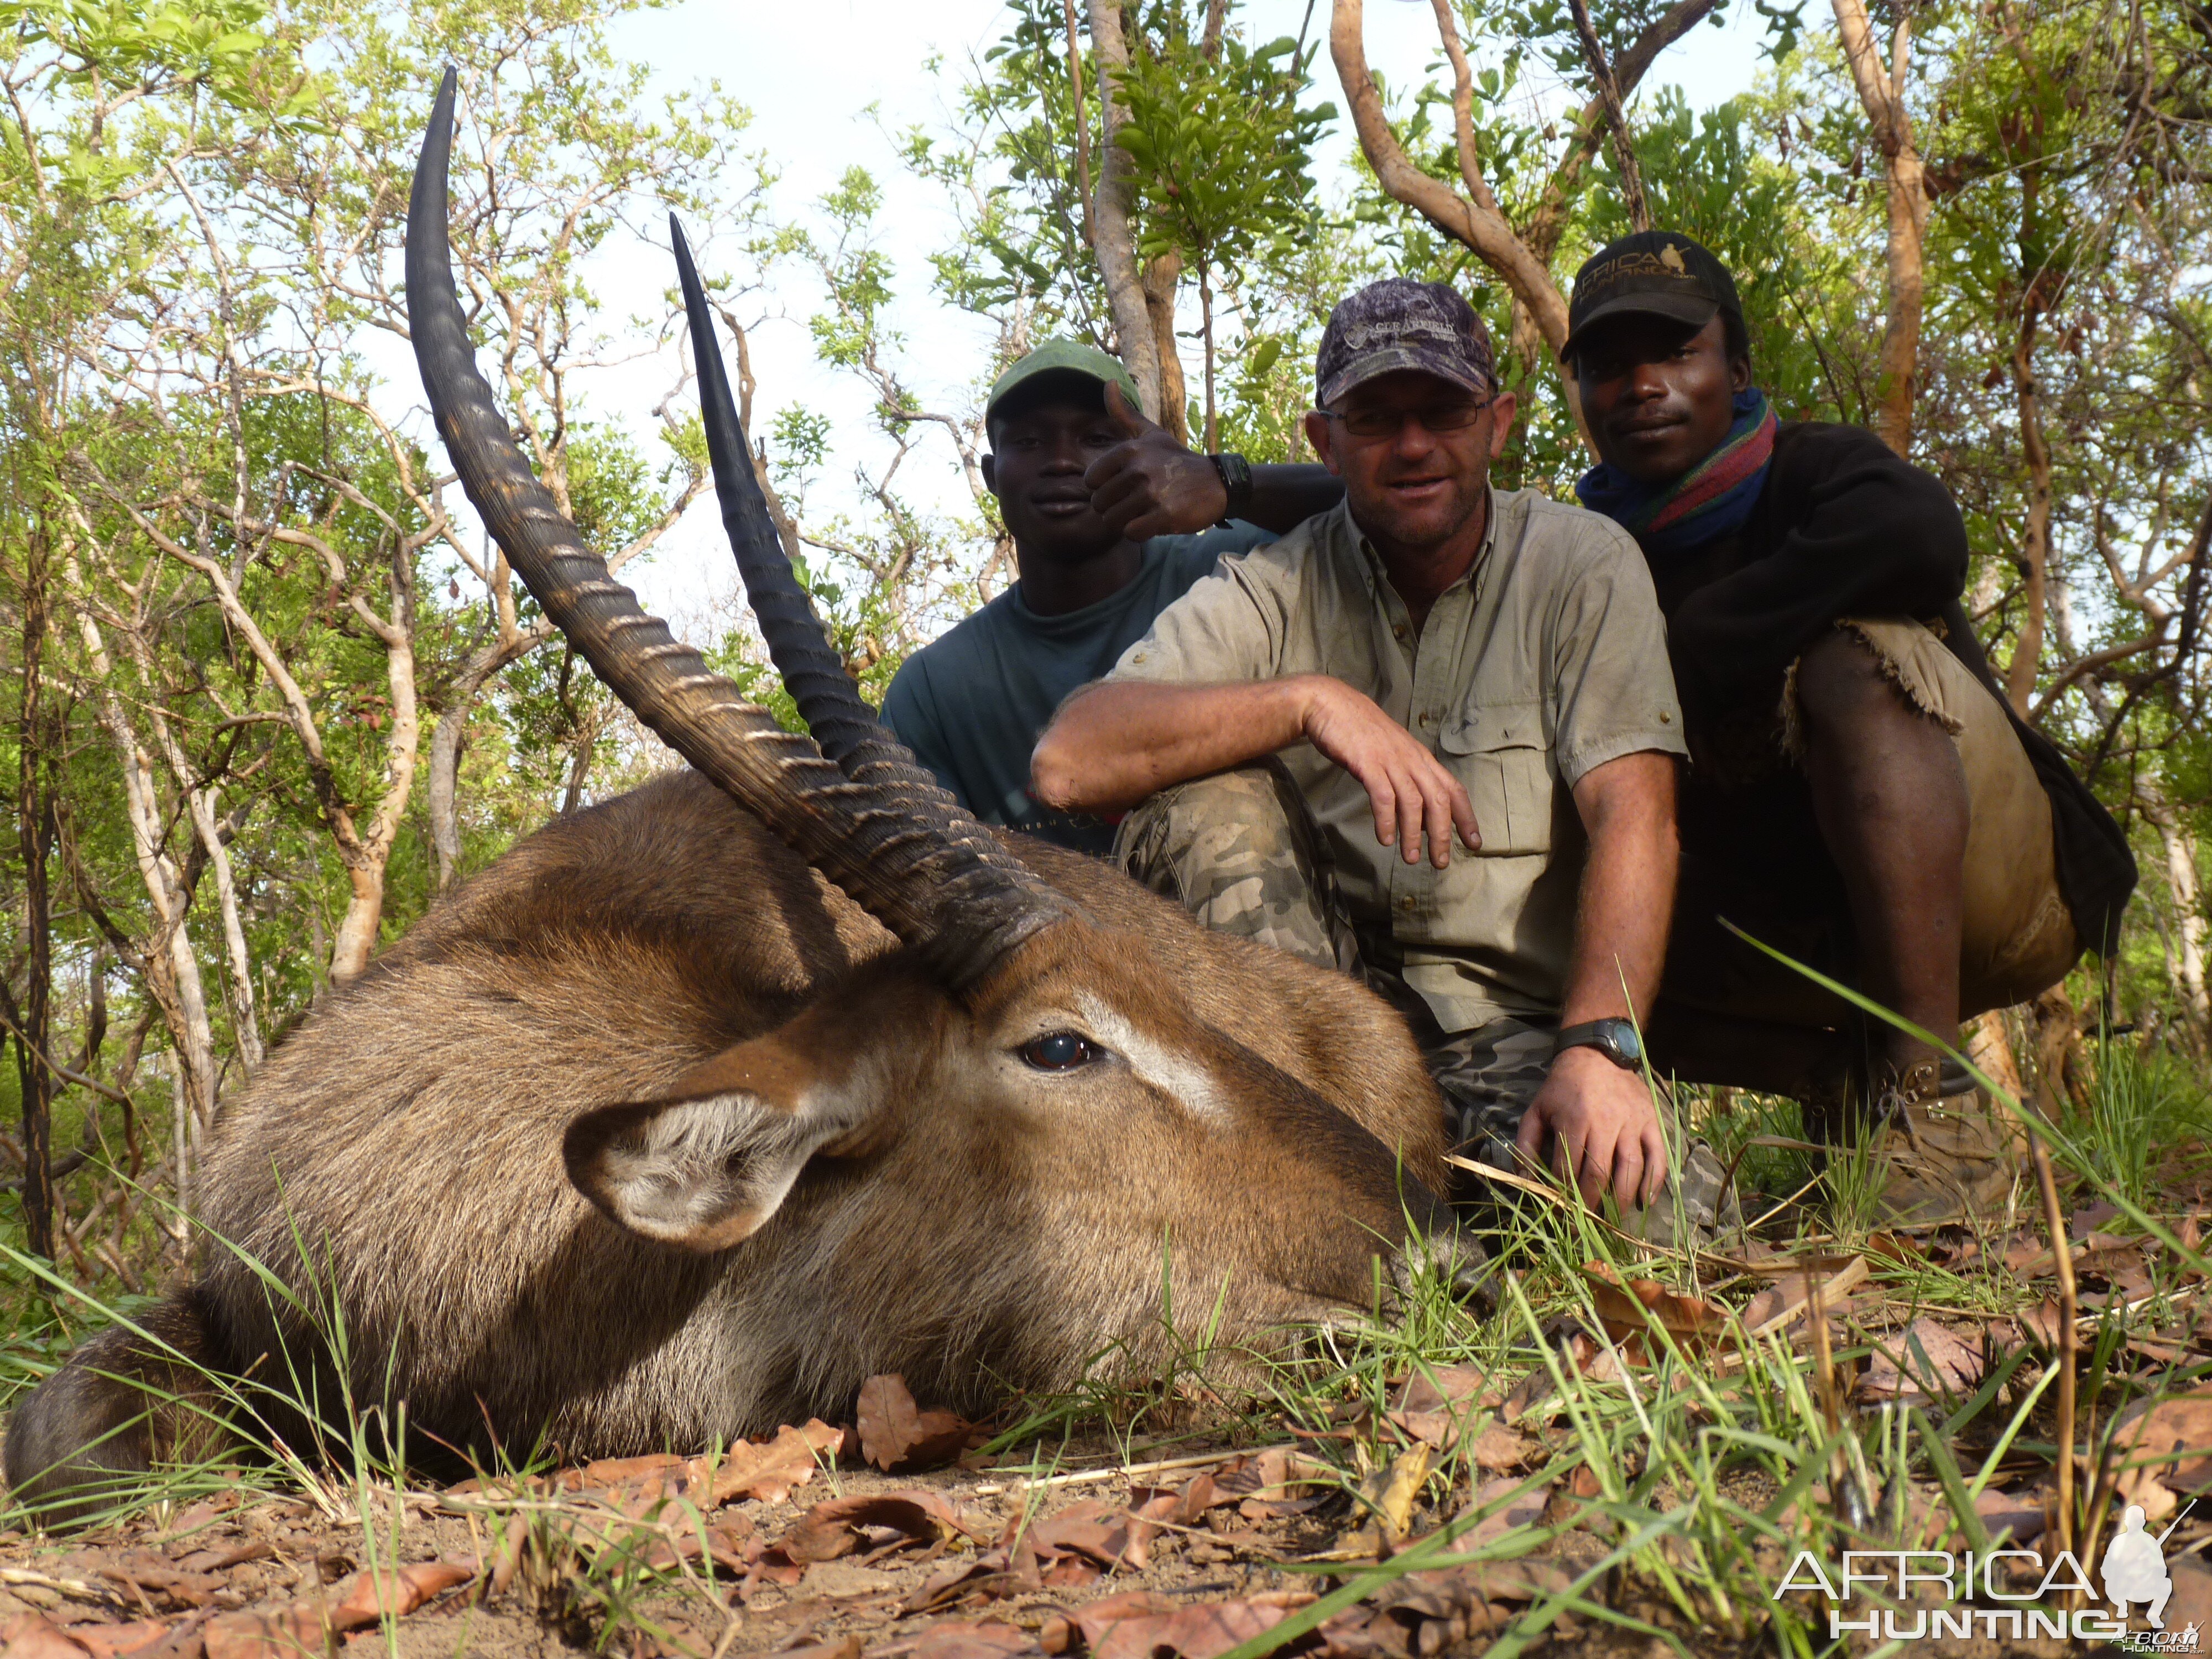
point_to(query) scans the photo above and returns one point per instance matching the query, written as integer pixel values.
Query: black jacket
(1844, 528)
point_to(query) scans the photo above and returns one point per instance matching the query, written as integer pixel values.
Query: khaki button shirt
(1548, 659)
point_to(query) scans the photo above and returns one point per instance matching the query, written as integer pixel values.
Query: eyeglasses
(1454, 417)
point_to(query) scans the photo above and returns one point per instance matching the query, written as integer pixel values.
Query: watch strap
(1236, 474)
(1598, 1034)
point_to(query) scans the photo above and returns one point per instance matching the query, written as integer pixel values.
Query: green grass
(2146, 1106)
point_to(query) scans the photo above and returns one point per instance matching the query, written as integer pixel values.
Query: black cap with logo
(1658, 273)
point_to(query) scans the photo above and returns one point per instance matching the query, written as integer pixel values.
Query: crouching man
(1863, 797)
(1307, 733)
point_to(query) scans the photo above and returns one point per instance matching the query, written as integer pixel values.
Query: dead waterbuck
(701, 1106)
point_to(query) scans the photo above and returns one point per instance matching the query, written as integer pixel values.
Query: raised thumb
(1126, 414)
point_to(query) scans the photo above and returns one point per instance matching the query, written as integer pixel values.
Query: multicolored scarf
(1713, 498)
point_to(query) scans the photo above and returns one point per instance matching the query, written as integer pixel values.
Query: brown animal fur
(959, 1216)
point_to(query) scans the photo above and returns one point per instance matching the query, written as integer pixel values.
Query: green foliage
(1222, 144)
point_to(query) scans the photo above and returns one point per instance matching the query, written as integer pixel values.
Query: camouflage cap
(1660, 273)
(1062, 357)
(1398, 323)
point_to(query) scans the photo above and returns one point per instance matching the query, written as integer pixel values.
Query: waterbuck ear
(707, 1167)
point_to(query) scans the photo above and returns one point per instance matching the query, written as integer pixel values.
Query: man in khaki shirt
(1431, 660)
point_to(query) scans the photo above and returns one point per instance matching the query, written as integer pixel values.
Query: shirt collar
(1378, 578)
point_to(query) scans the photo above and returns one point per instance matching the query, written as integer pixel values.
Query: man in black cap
(1862, 796)
(1307, 731)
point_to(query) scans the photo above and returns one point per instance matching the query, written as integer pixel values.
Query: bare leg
(1890, 798)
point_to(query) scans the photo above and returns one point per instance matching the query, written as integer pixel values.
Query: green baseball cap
(1063, 357)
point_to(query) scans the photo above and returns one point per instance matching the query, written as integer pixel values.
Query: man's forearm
(1628, 890)
(1115, 744)
(1283, 497)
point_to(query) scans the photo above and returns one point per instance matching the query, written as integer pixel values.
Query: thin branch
(1608, 92)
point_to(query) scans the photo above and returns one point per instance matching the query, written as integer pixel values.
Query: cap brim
(1376, 364)
(1692, 309)
(1070, 372)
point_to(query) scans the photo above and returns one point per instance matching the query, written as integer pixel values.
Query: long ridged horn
(960, 903)
(832, 707)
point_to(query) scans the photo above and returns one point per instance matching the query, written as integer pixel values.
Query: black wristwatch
(1616, 1039)
(1236, 481)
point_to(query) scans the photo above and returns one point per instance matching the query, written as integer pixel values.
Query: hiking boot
(1697, 1205)
(1944, 1157)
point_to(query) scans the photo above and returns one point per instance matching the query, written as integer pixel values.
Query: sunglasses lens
(1440, 417)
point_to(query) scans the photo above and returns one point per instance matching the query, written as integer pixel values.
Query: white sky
(809, 72)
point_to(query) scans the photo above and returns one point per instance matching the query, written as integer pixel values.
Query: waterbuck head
(1053, 1079)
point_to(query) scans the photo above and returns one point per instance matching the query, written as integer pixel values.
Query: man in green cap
(1085, 485)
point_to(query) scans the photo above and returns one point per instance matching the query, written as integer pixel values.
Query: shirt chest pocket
(1496, 750)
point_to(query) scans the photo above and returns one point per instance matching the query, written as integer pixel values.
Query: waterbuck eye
(1058, 1051)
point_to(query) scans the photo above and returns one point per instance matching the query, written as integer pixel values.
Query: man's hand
(1602, 1127)
(1411, 792)
(1151, 485)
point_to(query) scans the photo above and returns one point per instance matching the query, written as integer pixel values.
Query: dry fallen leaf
(845, 1648)
(1625, 1308)
(1895, 1247)
(1389, 1491)
(1444, 1387)
(2082, 1222)
(1096, 1531)
(835, 1528)
(34, 1635)
(769, 1470)
(897, 1434)
(2039, 1324)
(1523, 1510)
(961, 1638)
(1924, 1361)
(370, 1595)
(2190, 1607)
(108, 1641)
(1194, 1632)
(1785, 1301)
(2168, 1449)
(2021, 1512)
(1089, 1624)
(285, 1631)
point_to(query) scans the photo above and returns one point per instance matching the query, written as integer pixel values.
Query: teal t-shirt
(971, 705)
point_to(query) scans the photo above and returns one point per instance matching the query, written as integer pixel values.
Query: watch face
(1622, 1042)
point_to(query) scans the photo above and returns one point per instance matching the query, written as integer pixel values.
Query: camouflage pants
(1242, 853)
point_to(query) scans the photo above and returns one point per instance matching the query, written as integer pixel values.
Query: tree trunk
(1882, 93)
(172, 968)
(1116, 244)
(2035, 538)
(1205, 333)
(243, 1018)
(34, 838)
(2062, 1061)
(1989, 1046)
(2180, 846)
(450, 737)
(1161, 277)
(357, 928)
